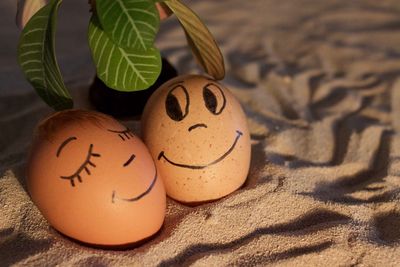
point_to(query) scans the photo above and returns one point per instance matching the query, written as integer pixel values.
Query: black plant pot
(121, 104)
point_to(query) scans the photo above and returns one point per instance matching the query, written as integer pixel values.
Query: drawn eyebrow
(63, 144)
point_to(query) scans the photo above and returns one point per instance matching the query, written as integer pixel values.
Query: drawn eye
(214, 98)
(124, 135)
(84, 167)
(177, 103)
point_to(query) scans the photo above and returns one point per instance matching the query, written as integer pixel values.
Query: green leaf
(129, 23)
(26, 9)
(36, 56)
(120, 68)
(203, 45)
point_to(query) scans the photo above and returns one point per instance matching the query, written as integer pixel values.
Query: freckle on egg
(211, 145)
(66, 139)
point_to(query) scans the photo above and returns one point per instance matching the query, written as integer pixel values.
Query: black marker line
(129, 160)
(223, 97)
(63, 144)
(82, 167)
(113, 196)
(167, 106)
(127, 135)
(239, 134)
(87, 160)
(92, 164)
(197, 125)
(87, 170)
(124, 134)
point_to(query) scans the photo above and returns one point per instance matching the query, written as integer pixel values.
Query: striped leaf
(129, 23)
(203, 45)
(26, 9)
(36, 56)
(119, 68)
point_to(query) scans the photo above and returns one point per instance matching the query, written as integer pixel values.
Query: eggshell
(197, 133)
(94, 181)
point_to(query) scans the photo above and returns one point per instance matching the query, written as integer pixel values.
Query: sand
(319, 82)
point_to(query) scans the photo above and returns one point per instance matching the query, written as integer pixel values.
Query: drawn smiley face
(197, 133)
(94, 180)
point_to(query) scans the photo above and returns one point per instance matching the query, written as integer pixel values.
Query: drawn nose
(196, 126)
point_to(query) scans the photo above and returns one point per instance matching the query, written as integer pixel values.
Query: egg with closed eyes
(197, 134)
(94, 180)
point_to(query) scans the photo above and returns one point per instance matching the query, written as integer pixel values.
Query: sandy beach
(319, 83)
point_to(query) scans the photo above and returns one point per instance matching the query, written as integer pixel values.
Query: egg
(198, 136)
(94, 180)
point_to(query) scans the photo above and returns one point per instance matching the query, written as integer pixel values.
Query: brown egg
(94, 181)
(197, 133)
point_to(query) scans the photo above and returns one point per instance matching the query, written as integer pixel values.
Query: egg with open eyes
(94, 180)
(198, 136)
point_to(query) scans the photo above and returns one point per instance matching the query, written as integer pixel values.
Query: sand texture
(319, 82)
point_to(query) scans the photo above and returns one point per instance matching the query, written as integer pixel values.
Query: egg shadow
(167, 228)
(387, 227)
(17, 246)
(19, 172)
(171, 220)
(257, 162)
(69, 241)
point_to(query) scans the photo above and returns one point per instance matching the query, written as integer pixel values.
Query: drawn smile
(197, 167)
(138, 197)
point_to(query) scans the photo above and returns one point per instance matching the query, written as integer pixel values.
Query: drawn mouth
(197, 167)
(197, 126)
(138, 197)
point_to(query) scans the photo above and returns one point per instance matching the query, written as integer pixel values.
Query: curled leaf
(202, 43)
(36, 56)
(26, 9)
(163, 11)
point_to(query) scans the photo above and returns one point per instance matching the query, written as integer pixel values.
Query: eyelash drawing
(84, 166)
(127, 133)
